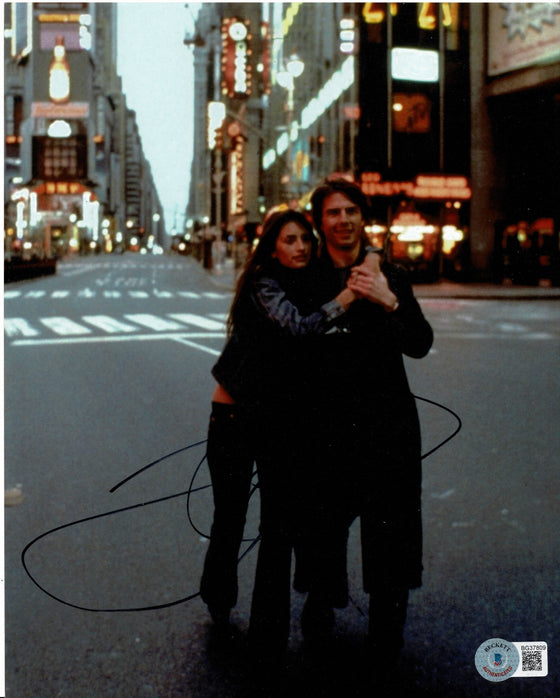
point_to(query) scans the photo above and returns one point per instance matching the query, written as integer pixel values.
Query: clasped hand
(369, 282)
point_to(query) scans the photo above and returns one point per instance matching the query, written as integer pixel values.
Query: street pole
(289, 152)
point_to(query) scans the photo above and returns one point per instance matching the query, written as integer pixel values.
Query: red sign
(70, 110)
(236, 65)
(266, 58)
(62, 188)
(425, 186)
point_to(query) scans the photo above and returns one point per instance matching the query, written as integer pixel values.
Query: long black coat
(352, 412)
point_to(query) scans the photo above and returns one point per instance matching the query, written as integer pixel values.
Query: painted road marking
(198, 320)
(16, 326)
(64, 326)
(154, 322)
(89, 293)
(180, 337)
(108, 324)
(208, 350)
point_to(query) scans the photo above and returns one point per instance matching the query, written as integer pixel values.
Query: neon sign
(236, 178)
(236, 51)
(434, 187)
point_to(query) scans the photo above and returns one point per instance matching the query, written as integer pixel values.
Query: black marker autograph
(188, 493)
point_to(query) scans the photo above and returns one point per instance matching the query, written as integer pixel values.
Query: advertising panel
(521, 35)
(62, 64)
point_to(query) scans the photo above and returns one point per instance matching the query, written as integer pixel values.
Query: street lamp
(216, 114)
(285, 78)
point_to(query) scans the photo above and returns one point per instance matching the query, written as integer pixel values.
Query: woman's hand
(369, 282)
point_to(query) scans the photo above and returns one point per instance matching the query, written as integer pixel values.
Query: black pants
(299, 513)
(230, 452)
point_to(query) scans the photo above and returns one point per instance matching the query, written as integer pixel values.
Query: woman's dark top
(263, 318)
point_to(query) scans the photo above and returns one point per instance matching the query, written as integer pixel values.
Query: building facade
(515, 149)
(75, 174)
(418, 102)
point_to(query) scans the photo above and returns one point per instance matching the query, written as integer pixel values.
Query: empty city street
(107, 372)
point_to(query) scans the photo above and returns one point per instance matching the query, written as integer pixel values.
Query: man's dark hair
(332, 186)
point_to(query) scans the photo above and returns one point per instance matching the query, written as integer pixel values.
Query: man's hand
(372, 262)
(369, 282)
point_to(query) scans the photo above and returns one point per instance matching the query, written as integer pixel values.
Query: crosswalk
(87, 292)
(60, 328)
(53, 329)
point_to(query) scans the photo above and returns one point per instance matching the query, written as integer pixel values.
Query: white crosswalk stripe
(64, 326)
(154, 322)
(18, 327)
(198, 321)
(108, 324)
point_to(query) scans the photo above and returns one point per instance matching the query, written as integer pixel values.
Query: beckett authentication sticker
(497, 659)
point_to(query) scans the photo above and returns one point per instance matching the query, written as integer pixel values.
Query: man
(348, 431)
(366, 429)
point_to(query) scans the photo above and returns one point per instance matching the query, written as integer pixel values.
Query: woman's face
(293, 246)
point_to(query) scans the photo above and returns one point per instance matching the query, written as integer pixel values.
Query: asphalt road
(107, 371)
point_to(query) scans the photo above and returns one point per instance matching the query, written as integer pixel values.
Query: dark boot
(317, 619)
(387, 618)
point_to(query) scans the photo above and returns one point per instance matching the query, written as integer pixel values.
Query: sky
(157, 75)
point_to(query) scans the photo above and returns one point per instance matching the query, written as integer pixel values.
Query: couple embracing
(311, 386)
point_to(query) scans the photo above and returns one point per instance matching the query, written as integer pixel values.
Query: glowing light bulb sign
(59, 74)
(424, 186)
(216, 113)
(236, 52)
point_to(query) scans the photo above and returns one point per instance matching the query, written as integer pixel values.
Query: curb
(475, 291)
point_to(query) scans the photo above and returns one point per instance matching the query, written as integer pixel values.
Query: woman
(262, 324)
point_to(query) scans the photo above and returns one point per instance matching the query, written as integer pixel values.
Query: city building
(445, 113)
(227, 41)
(515, 149)
(71, 144)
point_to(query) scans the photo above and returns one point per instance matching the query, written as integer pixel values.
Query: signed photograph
(281, 350)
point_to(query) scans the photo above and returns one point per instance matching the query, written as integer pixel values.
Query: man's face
(341, 222)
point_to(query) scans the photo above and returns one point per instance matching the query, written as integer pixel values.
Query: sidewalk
(224, 278)
(485, 291)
